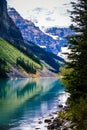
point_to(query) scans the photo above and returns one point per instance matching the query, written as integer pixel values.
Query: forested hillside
(12, 57)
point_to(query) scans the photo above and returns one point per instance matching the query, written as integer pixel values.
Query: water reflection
(23, 100)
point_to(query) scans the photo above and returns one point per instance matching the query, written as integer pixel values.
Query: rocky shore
(54, 122)
(61, 124)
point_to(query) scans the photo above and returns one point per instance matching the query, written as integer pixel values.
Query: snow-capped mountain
(51, 39)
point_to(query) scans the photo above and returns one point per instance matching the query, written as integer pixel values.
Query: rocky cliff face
(51, 39)
(8, 29)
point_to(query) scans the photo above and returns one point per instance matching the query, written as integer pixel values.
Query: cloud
(45, 12)
(50, 12)
(49, 19)
(38, 9)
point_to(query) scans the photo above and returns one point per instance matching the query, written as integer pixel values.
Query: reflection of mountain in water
(14, 93)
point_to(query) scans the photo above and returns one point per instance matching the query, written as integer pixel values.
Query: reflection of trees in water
(3, 89)
(24, 87)
(8, 87)
(27, 89)
(18, 88)
(18, 91)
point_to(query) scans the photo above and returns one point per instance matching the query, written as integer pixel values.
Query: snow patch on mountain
(63, 52)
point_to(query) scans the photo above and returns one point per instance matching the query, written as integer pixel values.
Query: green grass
(10, 53)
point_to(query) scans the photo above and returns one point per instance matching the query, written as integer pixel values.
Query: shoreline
(42, 123)
(52, 121)
(47, 120)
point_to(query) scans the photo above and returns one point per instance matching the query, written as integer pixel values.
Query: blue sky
(44, 13)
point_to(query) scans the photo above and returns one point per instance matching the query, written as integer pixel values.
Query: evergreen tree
(3, 68)
(76, 80)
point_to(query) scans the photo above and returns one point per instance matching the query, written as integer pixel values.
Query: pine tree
(76, 78)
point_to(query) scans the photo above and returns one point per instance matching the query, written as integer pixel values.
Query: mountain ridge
(51, 42)
(8, 30)
(11, 33)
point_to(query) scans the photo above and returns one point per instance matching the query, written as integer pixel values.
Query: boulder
(47, 120)
(60, 106)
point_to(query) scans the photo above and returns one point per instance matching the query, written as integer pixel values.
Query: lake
(24, 101)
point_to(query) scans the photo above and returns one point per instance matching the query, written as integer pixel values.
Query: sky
(44, 13)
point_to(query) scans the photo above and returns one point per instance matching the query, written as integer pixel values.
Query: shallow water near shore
(25, 103)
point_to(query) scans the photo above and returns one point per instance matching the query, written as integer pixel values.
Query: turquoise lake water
(23, 101)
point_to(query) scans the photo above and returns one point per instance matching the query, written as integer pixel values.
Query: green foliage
(30, 68)
(66, 115)
(4, 67)
(77, 79)
(26, 51)
(51, 61)
(64, 71)
(79, 113)
(10, 54)
(75, 72)
(61, 114)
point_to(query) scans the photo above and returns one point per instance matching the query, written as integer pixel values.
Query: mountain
(19, 57)
(9, 57)
(61, 33)
(49, 60)
(8, 30)
(52, 39)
